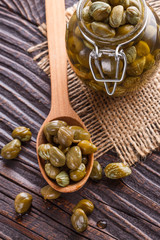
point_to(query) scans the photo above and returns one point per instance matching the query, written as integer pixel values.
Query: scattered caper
(96, 173)
(117, 170)
(86, 205)
(11, 149)
(49, 193)
(22, 133)
(23, 202)
(79, 220)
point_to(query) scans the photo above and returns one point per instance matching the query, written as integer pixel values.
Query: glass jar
(120, 62)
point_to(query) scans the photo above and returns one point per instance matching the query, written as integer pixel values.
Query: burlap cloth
(129, 124)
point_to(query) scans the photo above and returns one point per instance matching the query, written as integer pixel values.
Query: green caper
(78, 174)
(79, 220)
(57, 157)
(96, 173)
(23, 202)
(51, 171)
(136, 68)
(49, 193)
(85, 14)
(116, 16)
(43, 151)
(124, 3)
(62, 179)
(83, 57)
(22, 133)
(135, 3)
(53, 126)
(99, 10)
(142, 49)
(103, 30)
(124, 30)
(150, 61)
(63, 149)
(78, 32)
(87, 147)
(75, 44)
(131, 54)
(117, 170)
(65, 136)
(133, 15)
(86, 205)
(80, 133)
(11, 149)
(84, 160)
(74, 158)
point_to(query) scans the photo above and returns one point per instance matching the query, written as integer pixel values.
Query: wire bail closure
(94, 57)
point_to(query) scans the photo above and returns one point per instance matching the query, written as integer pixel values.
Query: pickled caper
(43, 151)
(136, 68)
(23, 202)
(86, 205)
(22, 133)
(96, 173)
(11, 149)
(150, 61)
(85, 14)
(79, 220)
(53, 126)
(74, 158)
(116, 16)
(99, 10)
(87, 147)
(65, 136)
(62, 179)
(51, 171)
(75, 44)
(103, 30)
(133, 15)
(117, 170)
(49, 193)
(124, 30)
(131, 54)
(78, 174)
(57, 157)
(80, 133)
(83, 57)
(142, 49)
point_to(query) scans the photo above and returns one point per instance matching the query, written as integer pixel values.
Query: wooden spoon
(60, 105)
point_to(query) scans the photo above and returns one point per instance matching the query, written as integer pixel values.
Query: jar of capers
(113, 44)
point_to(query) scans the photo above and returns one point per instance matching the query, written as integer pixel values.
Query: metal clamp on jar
(111, 45)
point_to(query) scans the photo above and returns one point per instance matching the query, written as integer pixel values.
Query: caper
(99, 10)
(96, 173)
(124, 3)
(57, 157)
(87, 147)
(83, 57)
(84, 160)
(78, 32)
(65, 136)
(136, 68)
(53, 126)
(131, 54)
(85, 14)
(133, 15)
(73, 21)
(86, 205)
(125, 29)
(79, 220)
(124, 18)
(103, 30)
(150, 61)
(117, 170)
(116, 16)
(22, 133)
(43, 151)
(62, 179)
(49, 193)
(142, 49)
(23, 202)
(75, 44)
(135, 3)
(11, 149)
(51, 171)
(78, 174)
(80, 133)
(74, 158)
(64, 149)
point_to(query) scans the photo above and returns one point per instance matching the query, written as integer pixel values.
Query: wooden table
(129, 206)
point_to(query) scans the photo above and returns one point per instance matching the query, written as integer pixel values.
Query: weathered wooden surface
(130, 206)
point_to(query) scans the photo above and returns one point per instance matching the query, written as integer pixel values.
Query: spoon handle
(56, 26)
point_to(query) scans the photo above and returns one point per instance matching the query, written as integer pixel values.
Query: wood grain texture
(130, 206)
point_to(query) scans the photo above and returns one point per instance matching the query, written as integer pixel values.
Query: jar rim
(111, 41)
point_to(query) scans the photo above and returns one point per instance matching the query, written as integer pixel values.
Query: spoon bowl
(60, 105)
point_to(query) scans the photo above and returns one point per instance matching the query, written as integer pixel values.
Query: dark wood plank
(130, 206)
